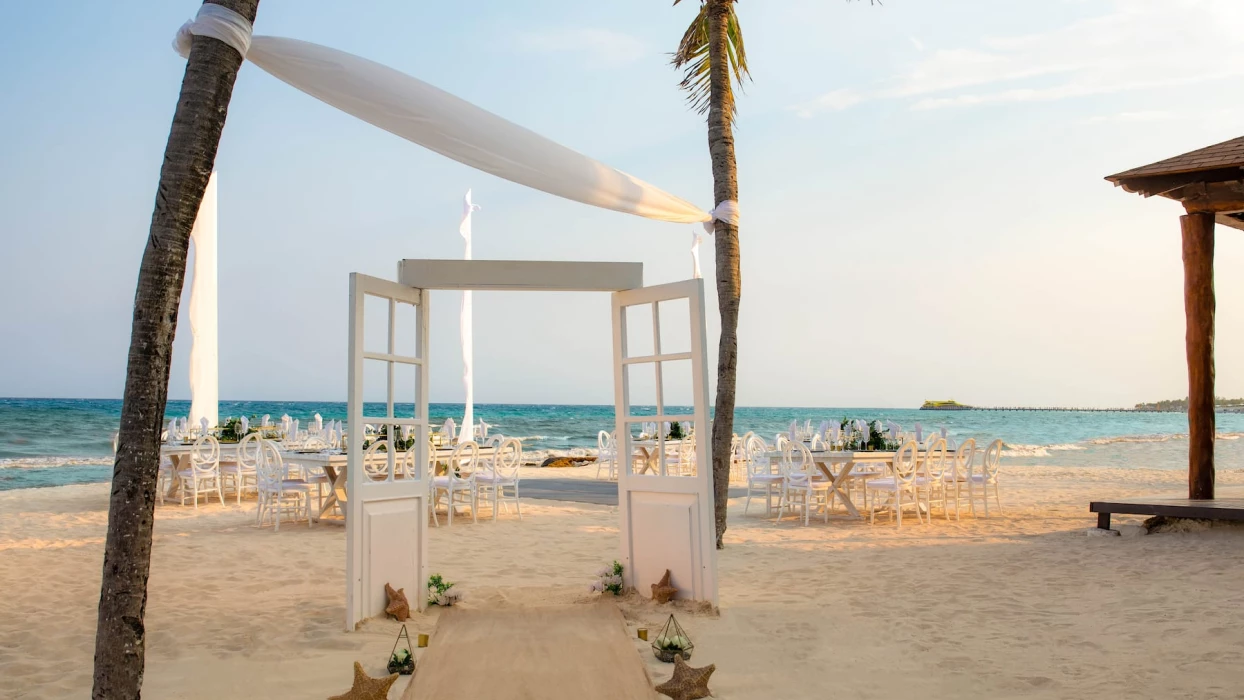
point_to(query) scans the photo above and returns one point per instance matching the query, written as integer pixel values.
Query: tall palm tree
(189, 157)
(711, 51)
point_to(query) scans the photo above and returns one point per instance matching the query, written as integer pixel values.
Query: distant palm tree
(710, 52)
(189, 157)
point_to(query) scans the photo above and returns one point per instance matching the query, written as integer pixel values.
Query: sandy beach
(1019, 606)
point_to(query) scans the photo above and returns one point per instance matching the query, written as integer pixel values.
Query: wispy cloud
(1138, 45)
(1132, 117)
(830, 102)
(602, 46)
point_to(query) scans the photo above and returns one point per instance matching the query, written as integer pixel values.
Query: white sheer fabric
(465, 322)
(441, 122)
(204, 348)
(219, 23)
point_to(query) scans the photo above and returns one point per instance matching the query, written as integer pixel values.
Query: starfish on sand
(662, 591)
(367, 688)
(687, 683)
(398, 607)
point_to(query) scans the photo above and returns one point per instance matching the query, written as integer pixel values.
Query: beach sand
(1019, 606)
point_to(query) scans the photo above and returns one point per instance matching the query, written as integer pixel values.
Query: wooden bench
(1217, 509)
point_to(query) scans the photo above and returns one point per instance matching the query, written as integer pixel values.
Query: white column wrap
(204, 351)
(465, 327)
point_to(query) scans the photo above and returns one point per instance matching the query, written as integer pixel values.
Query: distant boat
(944, 406)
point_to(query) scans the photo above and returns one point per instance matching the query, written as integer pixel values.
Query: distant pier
(954, 406)
(1062, 408)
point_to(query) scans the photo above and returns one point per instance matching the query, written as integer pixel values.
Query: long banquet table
(844, 461)
(332, 462)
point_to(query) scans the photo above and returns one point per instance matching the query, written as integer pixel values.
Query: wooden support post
(1103, 521)
(1198, 254)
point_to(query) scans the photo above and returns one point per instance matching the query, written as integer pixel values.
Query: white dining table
(335, 465)
(844, 462)
(650, 449)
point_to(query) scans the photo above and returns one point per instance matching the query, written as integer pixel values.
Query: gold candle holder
(423, 641)
(643, 633)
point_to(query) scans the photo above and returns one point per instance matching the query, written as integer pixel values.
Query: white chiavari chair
(898, 486)
(803, 484)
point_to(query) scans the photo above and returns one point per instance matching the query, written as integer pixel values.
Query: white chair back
(464, 461)
(992, 460)
(758, 460)
(934, 463)
(205, 455)
(903, 468)
(738, 447)
(269, 467)
(964, 457)
(797, 464)
(687, 456)
(507, 459)
(249, 449)
(376, 461)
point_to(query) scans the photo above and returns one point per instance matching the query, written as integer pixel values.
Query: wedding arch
(666, 521)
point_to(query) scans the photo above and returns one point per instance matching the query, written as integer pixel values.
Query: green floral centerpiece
(672, 641)
(442, 592)
(400, 444)
(231, 431)
(870, 439)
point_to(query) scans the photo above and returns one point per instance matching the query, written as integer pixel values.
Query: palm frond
(693, 59)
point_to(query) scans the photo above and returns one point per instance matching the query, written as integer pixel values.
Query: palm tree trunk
(188, 160)
(726, 245)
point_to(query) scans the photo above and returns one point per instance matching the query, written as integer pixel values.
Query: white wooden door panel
(666, 514)
(386, 512)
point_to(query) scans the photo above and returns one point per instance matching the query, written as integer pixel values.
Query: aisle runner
(566, 651)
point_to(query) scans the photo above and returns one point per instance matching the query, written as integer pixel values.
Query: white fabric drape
(219, 23)
(426, 115)
(457, 129)
(204, 357)
(465, 324)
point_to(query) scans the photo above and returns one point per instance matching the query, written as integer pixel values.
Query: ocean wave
(1038, 450)
(44, 462)
(1045, 450)
(1155, 438)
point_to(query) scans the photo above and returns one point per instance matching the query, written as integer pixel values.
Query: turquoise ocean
(53, 442)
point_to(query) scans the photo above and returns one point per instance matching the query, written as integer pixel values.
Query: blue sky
(921, 184)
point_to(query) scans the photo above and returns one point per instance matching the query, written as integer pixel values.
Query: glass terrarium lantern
(672, 641)
(402, 660)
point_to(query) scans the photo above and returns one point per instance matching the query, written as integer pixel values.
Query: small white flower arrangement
(608, 580)
(442, 592)
(674, 642)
